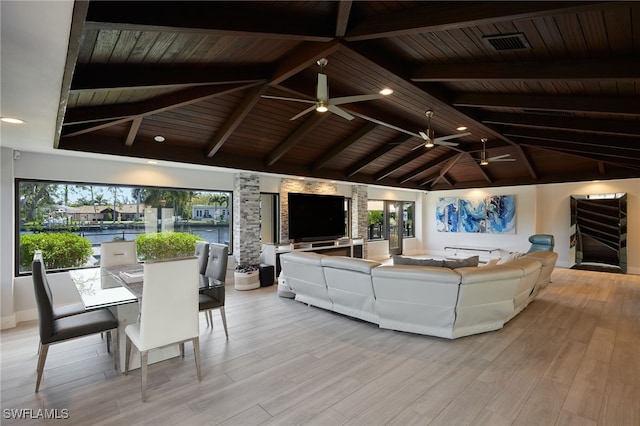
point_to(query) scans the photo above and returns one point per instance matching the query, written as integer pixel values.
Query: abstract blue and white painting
(472, 215)
(447, 215)
(501, 214)
(494, 214)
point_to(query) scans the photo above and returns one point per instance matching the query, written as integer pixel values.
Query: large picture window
(75, 218)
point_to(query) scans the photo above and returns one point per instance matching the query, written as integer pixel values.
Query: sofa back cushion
(350, 263)
(462, 263)
(402, 260)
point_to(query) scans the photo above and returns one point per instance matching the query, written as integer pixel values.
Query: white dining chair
(113, 253)
(168, 312)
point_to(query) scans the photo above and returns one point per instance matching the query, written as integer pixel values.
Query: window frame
(385, 218)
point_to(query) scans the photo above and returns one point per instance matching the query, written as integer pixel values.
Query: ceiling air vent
(502, 42)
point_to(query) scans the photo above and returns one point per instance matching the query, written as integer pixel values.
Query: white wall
(542, 209)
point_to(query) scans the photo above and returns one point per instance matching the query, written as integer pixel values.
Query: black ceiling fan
(324, 103)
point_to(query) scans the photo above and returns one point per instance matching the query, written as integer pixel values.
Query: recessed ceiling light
(386, 91)
(11, 120)
(152, 162)
(461, 128)
(159, 138)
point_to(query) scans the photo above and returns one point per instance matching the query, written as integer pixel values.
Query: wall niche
(598, 235)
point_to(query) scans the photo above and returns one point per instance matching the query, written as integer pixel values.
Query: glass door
(395, 226)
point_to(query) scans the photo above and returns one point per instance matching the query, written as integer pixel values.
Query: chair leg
(41, 360)
(206, 316)
(143, 378)
(181, 349)
(196, 354)
(116, 352)
(127, 354)
(210, 314)
(224, 321)
(108, 342)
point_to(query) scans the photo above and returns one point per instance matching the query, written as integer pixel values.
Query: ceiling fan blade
(353, 99)
(342, 113)
(282, 98)
(417, 146)
(322, 91)
(445, 143)
(300, 114)
(444, 138)
(501, 158)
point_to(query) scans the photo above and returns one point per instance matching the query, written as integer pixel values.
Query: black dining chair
(60, 329)
(212, 295)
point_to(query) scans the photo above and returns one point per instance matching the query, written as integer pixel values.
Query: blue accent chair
(544, 242)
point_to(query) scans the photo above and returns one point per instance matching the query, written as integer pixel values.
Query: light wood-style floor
(571, 358)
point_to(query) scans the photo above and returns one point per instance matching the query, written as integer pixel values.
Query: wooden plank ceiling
(552, 86)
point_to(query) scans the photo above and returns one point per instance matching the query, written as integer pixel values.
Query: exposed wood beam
(102, 117)
(613, 127)
(301, 58)
(239, 114)
(234, 18)
(628, 106)
(402, 138)
(483, 171)
(596, 144)
(446, 169)
(295, 138)
(342, 20)
(107, 77)
(623, 69)
(433, 163)
(444, 16)
(133, 131)
(414, 155)
(112, 145)
(80, 9)
(617, 160)
(338, 149)
(436, 97)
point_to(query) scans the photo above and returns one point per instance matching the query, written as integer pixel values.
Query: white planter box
(246, 280)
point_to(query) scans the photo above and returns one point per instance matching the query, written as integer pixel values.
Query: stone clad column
(359, 215)
(246, 219)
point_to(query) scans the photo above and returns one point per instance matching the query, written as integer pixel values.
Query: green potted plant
(246, 276)
(165, 245)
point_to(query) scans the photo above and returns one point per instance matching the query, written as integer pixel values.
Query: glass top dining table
(117, 285)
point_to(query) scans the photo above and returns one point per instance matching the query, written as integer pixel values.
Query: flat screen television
(315, 217)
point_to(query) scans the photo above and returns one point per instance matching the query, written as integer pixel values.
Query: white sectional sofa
(431, 300)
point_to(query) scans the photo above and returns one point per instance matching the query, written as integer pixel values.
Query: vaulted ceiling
(552, 85)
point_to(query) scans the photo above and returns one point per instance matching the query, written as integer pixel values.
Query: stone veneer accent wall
(300, 187)
(246, 218)
(360, 214)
